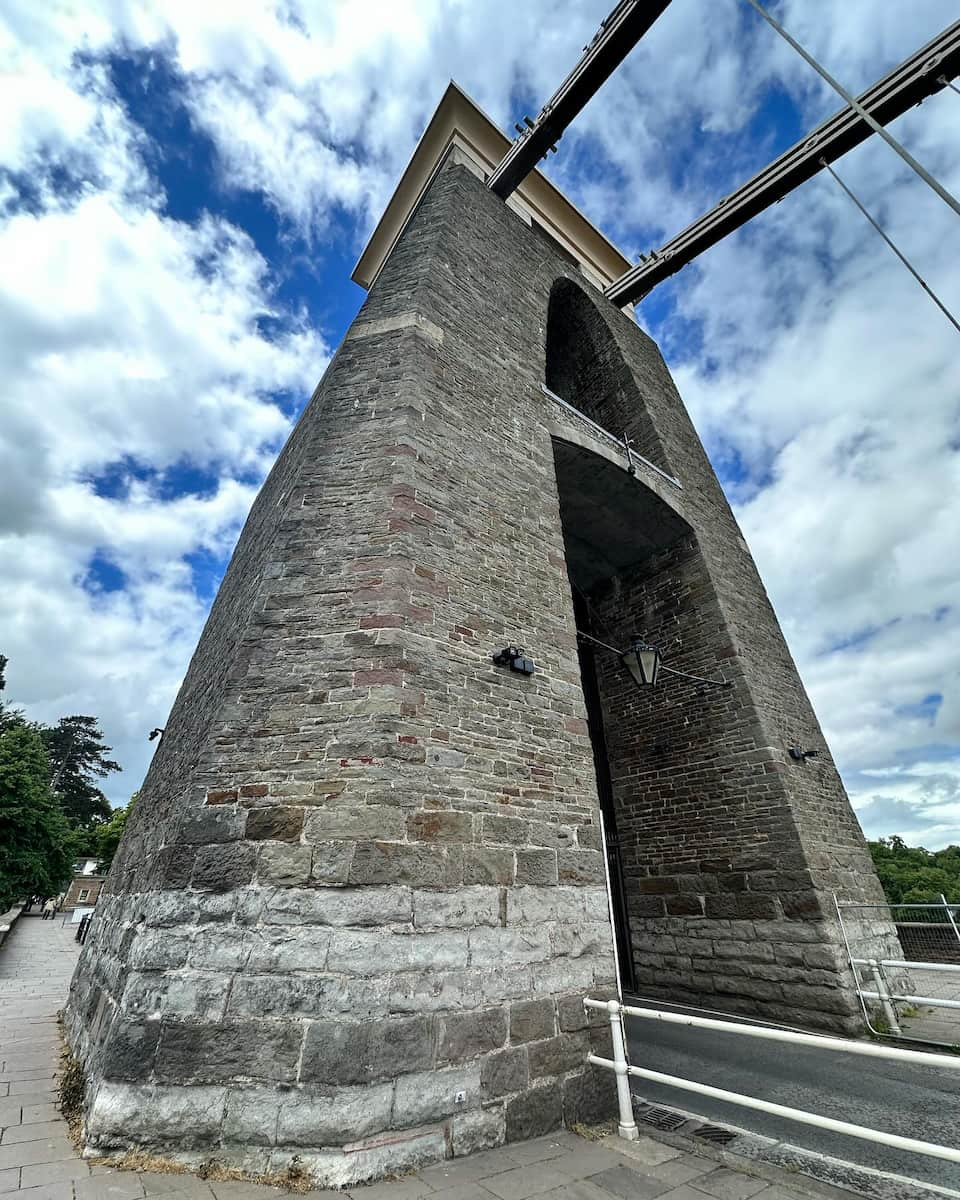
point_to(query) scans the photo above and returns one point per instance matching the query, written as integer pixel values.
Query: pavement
(38, 1161)
(941, 1025)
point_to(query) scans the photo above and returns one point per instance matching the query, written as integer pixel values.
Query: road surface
(913, 1101)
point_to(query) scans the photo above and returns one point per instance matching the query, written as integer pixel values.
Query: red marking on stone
(222, 796)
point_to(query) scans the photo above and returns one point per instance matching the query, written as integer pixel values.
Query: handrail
(622, 1069)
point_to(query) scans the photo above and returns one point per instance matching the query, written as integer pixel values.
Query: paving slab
(531, 1180)
(161, 1183)
(35, 1132)
(726, 1184)
(630, 1184)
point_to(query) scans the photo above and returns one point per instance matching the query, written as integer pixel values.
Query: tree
(78, 756)
(106, 837)
(913, 875)
(8, 716)
(36, 848)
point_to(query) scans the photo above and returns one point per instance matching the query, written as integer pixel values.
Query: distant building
(84, 890)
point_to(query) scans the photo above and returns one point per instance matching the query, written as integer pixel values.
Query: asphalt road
(913, 1101)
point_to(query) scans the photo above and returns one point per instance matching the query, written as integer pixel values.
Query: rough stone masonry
(362, 893)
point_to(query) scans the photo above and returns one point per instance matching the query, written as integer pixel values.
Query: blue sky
(184, 190)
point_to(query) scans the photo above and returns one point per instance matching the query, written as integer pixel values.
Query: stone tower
(363, 891)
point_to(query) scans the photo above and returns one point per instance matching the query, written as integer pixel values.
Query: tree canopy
(36, 848)
(78, 757)
(52, 809)
(913, 875)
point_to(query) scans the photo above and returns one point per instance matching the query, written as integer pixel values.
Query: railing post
(889, 1012)
(949, 911)
(627, 1126)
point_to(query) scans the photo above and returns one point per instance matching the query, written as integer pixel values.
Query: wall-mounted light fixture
(516, 659)
(644, 662)
(798, 754)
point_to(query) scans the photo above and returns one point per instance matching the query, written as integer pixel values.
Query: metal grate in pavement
(715, 1134)
(662, 1118)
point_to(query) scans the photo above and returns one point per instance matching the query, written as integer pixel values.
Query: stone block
(284, 865)
(429, 1096)
(488, 865)
(538, 867)
(345, 1052)
(531, 1020)
(174, 866)
(471, 1132)
(250, 1116)
(276, 824)
(331, 863)
(361, 953)
(232, 1050)
(313, 1117)
(588, 837)
(419, 865)
(129, 1050)
(589, 1097)
(287, 948)
(503, 1072)
(573, 1016)
(208, 825)
(121, 1112)
(356, 821)
(534, 1113)
(468, 1034)
(438, 825)
(557, 1055)
(376, 906)
(504, 831)
(462, 909)
(503, 947)
(218, 948)
(222, 868)
(159, 951)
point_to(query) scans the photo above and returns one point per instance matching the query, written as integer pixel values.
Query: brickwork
(364, 877)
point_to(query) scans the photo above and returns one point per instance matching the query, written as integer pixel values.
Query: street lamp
(644, 662)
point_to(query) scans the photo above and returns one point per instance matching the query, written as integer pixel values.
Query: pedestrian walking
(49, 908)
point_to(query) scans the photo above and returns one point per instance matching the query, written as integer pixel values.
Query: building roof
(460, 127)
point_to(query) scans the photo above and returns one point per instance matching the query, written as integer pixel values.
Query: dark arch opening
(585, 367)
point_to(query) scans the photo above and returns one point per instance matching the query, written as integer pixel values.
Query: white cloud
(132, 342)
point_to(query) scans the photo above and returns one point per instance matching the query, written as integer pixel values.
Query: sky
(185, 188)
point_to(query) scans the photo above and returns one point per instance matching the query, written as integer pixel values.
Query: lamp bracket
(514, 657)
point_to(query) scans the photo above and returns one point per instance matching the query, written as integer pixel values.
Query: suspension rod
(617, 36)
(919, 76)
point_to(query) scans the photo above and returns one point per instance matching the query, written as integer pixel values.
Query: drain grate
(662, 1118)
(715, 1134)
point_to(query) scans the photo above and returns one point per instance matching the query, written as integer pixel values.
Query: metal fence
(624, 1070)
(909, 989)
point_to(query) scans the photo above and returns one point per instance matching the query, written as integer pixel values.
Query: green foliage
(35, 841)
(912, 875)
(106, 837)
(51, 809)
(79, 757)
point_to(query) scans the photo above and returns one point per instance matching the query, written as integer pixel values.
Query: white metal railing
(885, 996)
(622, 1068)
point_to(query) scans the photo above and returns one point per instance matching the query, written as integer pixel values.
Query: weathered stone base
(195, 1125)
(361, 1031)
